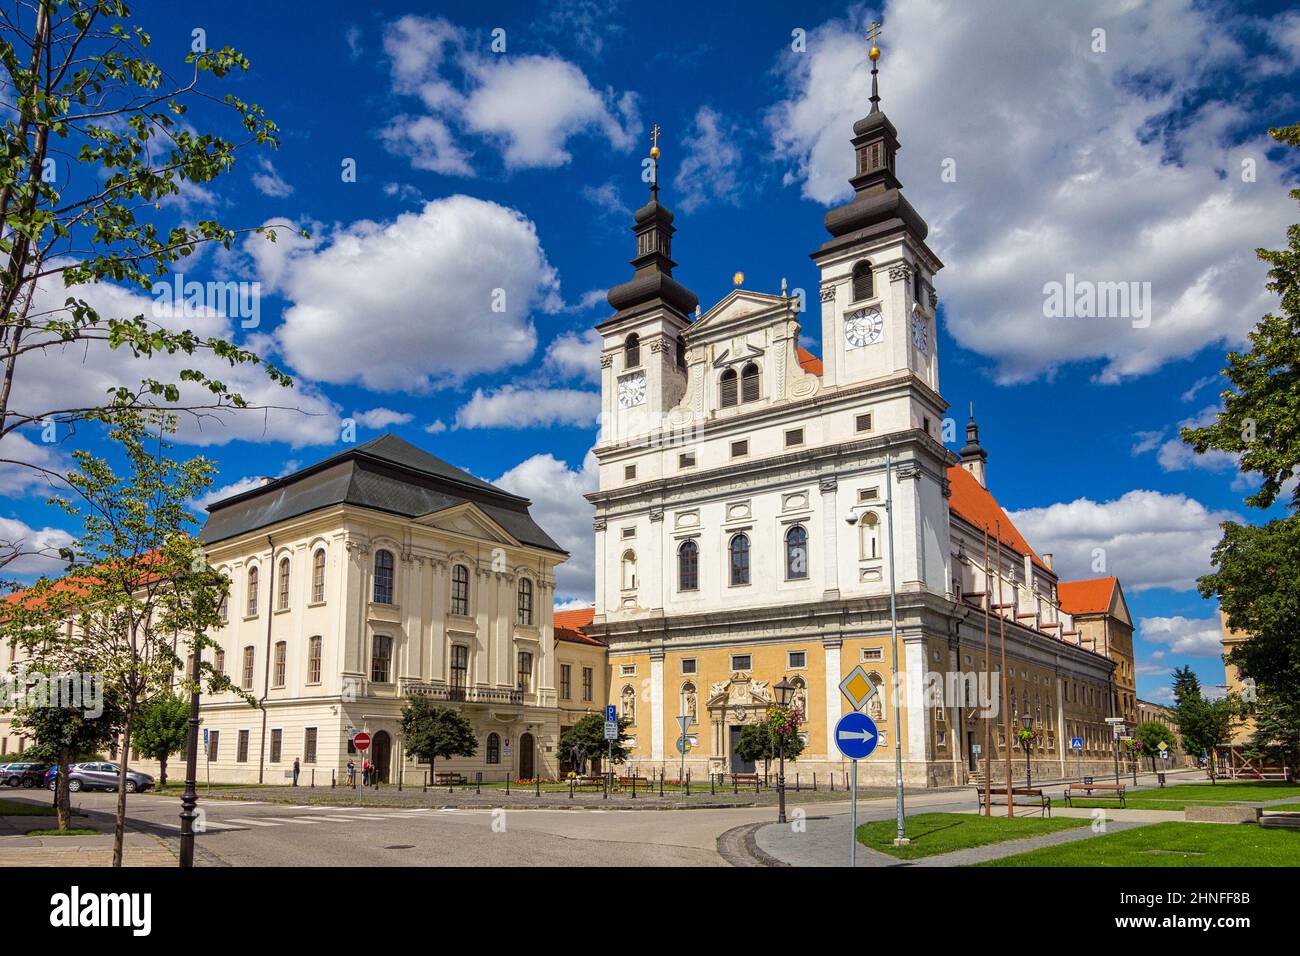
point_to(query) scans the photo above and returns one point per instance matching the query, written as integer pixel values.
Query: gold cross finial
(873, 34)
(654, 142)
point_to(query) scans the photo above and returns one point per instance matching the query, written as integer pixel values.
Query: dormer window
(749, 390)
(632, 351)
(863, 281)
(728, 389)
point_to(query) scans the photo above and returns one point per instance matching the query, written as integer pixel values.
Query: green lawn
(1196, 794)
(21, 808)
(1290, 807)
(75, 831)
(1171, 844)
(933, 833)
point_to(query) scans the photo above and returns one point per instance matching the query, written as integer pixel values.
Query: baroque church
(742, 535)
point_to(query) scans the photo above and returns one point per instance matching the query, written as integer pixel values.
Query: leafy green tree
(761, 741)
(1276, 737)
(1260, 420)
(1186, 684)
(1207, 723)
(430, 731)
(589, 731)
(139, 595)
(65, 735)
(98, 153)
(1151, 733)
(161, 730)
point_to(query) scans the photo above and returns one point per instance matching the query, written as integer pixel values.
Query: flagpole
(1002, 642)
(988, 718)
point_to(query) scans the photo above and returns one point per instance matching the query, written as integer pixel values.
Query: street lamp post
(1027, 742)
(783, 691)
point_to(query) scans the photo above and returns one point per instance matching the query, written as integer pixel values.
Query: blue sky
(1136, 154)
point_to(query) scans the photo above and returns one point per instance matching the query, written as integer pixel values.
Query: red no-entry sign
(361, 741)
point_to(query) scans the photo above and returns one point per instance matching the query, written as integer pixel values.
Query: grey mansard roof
(386, 474)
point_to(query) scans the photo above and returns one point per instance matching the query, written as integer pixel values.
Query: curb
(739, 847)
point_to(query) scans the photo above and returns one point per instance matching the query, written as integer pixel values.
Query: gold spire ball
(654, 142)
(872, 34)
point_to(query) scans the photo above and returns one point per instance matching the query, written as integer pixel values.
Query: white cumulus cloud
(1198, 637)
(556, 491)
(513, 407)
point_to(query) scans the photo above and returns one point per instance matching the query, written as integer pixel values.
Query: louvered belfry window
(862, 281)
(728, 393)
(749, 383)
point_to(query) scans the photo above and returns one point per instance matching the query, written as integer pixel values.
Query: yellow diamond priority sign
(858, 688)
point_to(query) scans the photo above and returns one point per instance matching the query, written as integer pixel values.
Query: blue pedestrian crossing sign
(1076, 743)
(856, 736)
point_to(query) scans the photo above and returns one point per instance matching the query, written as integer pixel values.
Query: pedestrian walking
(352, 773)
(297, 769)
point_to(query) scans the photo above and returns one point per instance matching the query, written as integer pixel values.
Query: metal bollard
(424, 787)
(313, 778)
(538, 782)
(478, 782)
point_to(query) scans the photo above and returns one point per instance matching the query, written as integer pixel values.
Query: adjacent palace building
(741, 538)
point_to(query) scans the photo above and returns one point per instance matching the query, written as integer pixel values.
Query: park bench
(744, 780)
(589, 783)
(448, 778)
(630, 781)
(1032, 798)
(1095, 791)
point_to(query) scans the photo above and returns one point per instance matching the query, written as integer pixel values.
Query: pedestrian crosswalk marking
(256, 823)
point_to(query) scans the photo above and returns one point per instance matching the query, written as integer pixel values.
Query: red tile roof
(972, 501)
(1093, 596)
(569, 626)
(808, 362)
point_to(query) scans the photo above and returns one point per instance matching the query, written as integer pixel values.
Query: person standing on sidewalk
(297, 769)
(352, 773)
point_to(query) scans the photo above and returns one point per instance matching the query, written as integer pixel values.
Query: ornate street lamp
(784, 690)
(1027, 741)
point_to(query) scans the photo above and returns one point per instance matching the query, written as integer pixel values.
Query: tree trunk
(62, 796)
(162, 771)
(119, 822)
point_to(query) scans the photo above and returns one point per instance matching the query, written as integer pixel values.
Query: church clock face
(920, 333)
(863, 327)
(631, 390)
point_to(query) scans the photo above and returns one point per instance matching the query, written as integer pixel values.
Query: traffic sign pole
(853, 815)
(856, 736)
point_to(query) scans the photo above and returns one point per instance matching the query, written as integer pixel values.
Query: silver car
(104, 776)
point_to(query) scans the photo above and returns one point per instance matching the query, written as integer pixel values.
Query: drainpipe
(266, 670)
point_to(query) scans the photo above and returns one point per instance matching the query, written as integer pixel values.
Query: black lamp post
(783, 691)
(1027, 742)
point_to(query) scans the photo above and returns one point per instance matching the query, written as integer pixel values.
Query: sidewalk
(17, 849)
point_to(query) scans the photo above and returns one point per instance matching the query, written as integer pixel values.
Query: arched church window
(632, 351)
(870, 532)
(863, 281)
(688, 566)
(728, 390)
(629, 570)
(796, 553)
(749, 390)
(739, 560)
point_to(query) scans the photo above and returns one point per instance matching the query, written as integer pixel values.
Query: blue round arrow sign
(856, 736)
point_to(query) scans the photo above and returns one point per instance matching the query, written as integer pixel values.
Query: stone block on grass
(1222, 814)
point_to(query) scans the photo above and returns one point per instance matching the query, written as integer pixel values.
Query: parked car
(25, 774)
(104, 776)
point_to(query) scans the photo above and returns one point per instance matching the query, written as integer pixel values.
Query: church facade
(742, 534)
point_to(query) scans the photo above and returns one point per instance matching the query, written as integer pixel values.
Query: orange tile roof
(972, 501)
(1087, 597)
(569, 626)
(807, 361)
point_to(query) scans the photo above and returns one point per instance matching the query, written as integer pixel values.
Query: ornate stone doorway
(733, 704)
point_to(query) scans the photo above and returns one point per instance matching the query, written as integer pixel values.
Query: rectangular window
(283, 585)
(566, 681)
(740, 449)
(459, 665)
(460, 590)
(686, 459)
(741, 662)
(281, 660)
(587, 677)
(629, 472)
(628, 670)
(863, 422)
(798, 659)
(868, 494)
(309, 745)
(688, 665)
(241, 747)
(318, 578)
(247, 682)
(277, 744)
(629, 533)
(381, 660)
(220, 661)
(214, 745)
(526, 672)
(925, 425)
(794, 437)
(873, 653)
(313, 660)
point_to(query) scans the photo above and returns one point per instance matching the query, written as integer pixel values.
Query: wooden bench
(1087, 791)
(744, 780)
(589, 783)
(1033, 798)
(448, 778)
(637, 781)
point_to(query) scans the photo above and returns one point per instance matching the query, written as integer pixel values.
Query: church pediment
(737, 306)
(469, 521)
